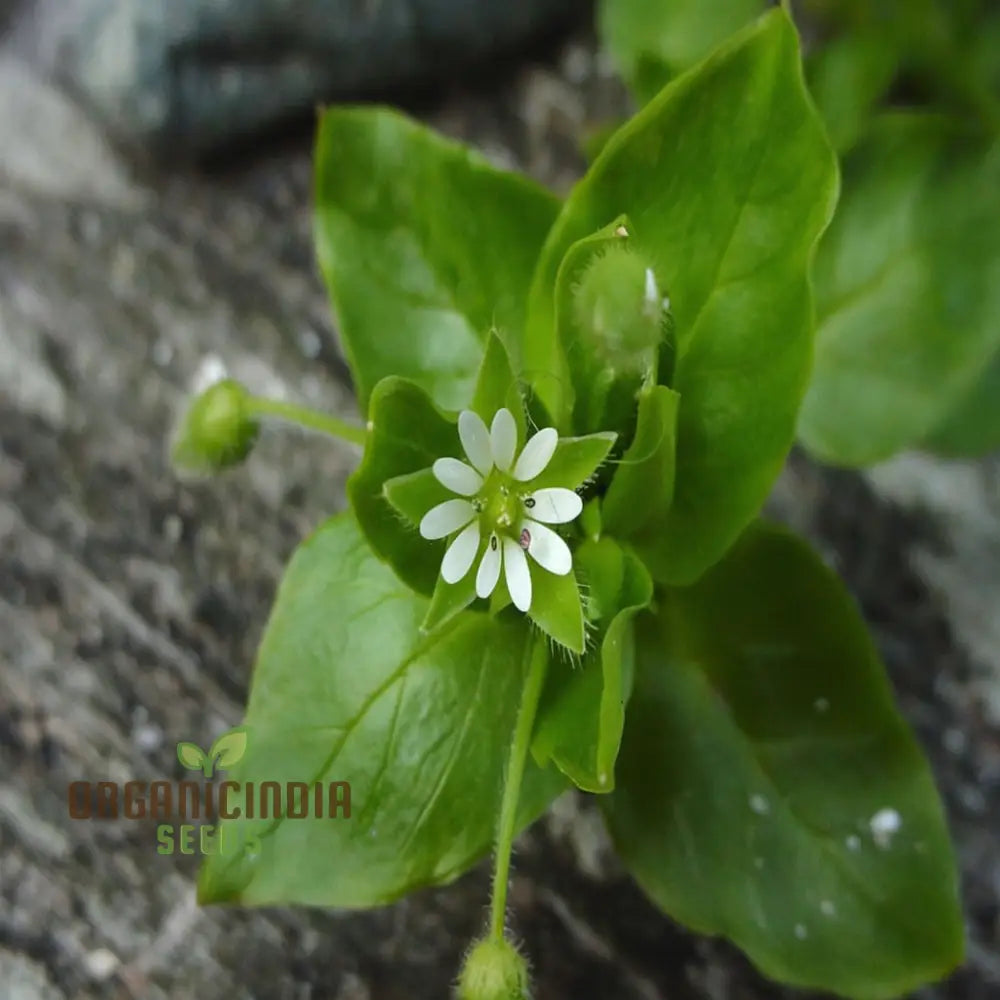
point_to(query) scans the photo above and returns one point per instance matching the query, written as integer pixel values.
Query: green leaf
(638, 501)
(425, 249)
(407, 434)
(847, 76)
(676, 33)
(762, 769)
(973, 427)
(730, 180)
(582, 711)
(229, 748)
(908, 290)
(650, 74)
(345, 689)
(191, 756)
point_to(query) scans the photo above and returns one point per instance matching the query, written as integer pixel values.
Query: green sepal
(450, 599)
(556, 607)
(497, 387)
(415, 493)
(575, 461)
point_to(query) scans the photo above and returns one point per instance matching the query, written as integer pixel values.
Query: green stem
(305, 417)
(512, 786)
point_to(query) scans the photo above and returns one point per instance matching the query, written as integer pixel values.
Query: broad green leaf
(908, 290)
(582, 710)
(649, 75)
(973, 427)
(676, 33)
(768, 789)
(847, 77)
(984, 57)
(730, 180)
(229, 748)
(191, 756)
(425, 248)
(638, 501)
(345, 689)
(407, 434)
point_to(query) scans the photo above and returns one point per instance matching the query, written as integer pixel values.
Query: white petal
(503, 439)
(458, 559)
(475, 440)
(548, 549)
(537, 454)
(446, 517)
(489, 568)
(554, 506)
(457, 476)
(518, 578)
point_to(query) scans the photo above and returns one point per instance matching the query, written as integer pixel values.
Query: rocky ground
(131, 602)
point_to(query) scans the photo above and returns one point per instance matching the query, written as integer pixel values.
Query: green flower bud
(494, 970)
(218, 431)
(619, 307)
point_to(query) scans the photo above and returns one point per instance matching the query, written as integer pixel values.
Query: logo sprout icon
(225, 752)
(501, 507)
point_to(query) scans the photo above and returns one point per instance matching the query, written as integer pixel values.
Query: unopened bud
(494, 970)
(619, 306)
(219, 429)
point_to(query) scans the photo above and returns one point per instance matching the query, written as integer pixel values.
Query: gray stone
(184, 77)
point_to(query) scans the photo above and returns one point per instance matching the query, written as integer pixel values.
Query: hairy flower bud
(218, 431)
(493, 970)
(619, 307)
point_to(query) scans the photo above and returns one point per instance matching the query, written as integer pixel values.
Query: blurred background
(155, 171)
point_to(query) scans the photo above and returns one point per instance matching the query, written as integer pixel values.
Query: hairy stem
(312, 419)
(533, 683)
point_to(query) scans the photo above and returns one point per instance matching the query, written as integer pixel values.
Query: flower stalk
(520, 744)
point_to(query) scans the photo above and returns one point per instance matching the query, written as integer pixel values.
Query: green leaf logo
(227, 750)
(229, 747)
(191, 756)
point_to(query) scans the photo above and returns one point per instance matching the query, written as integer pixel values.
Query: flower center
(502, 506)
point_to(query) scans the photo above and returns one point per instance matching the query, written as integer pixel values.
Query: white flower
(496, 504)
